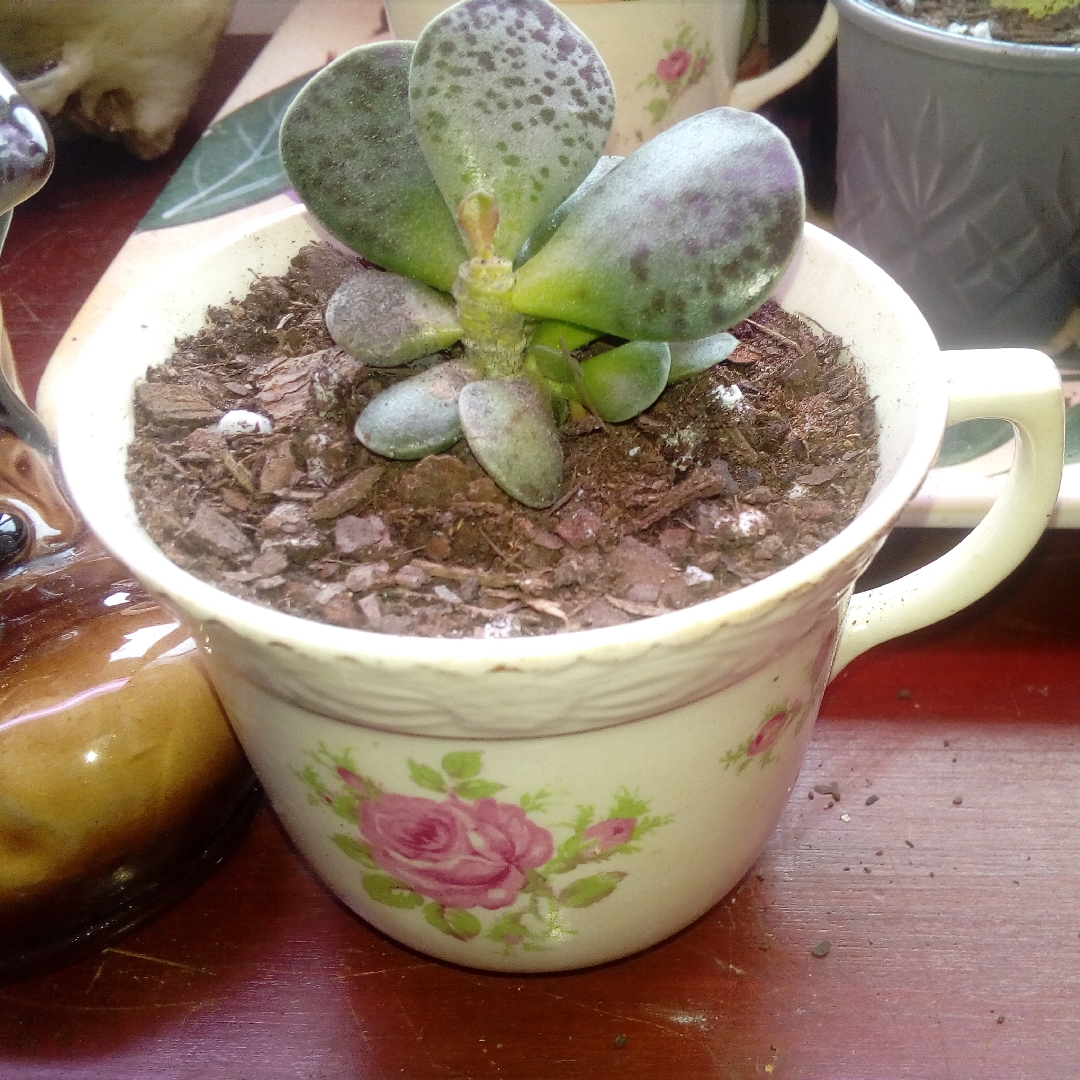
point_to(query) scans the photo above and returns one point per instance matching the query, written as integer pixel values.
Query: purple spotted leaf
(348, 147)
(508, 97)
(511, 432)
(682, 239)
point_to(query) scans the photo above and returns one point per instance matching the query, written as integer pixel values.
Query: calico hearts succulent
(469, 166)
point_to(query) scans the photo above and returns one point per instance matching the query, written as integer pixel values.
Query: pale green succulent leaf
(625, 381)
(386, 320)
(546, 229)
(348, 148)
(416, 417)
(513, 100)
(510, 429)
(690, 358)
(689, 234)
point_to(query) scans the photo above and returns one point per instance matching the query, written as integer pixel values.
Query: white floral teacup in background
(668, 59)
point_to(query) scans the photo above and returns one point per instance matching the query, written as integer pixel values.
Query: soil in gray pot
(729, 477)
(1002, 24)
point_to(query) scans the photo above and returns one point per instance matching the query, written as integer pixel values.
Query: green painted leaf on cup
(456, 922)
(477, 789)
(234, 164)
(462, 764)
(971, 439)
(686, 236)
(511, 100)
(1072, 435)
(625, 381)
(690, 358)
(588, 890)
(357, 851)
(348, 146)
(416, 417)
(384, 889)
(426, 776)
(511, 432)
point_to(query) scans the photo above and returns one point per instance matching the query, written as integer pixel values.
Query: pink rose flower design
(460, 854)
(605, 835)
(673, 66)
(767, 734)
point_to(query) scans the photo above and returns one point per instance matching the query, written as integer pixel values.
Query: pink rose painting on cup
(682, 65)
(761, 746)
(475, 866)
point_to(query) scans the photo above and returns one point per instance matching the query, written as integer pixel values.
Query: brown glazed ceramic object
(121, 783)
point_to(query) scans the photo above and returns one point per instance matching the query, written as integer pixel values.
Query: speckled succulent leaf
(386, 320)
(510, 98)
(546, 229)
(416, 417)
(625, 381)
(511, 432)
(687, 236)
(348, 147)
(690, 358)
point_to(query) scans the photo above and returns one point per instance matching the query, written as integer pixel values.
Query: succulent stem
(493, 332)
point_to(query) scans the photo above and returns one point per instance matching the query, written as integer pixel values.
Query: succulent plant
(469, 167)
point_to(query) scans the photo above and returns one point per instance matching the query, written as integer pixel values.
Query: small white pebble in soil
(752, 522)
(845, 817)
(634, 451)
(504, 626)
(728, 396)
(907, 7)
(242, 422)
(694, 575)
(443, 592)
(982, 30)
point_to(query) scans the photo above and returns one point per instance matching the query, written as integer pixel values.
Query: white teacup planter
(554, 802)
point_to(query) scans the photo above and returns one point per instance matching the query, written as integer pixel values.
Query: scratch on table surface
(158, 960)
(615, 1016)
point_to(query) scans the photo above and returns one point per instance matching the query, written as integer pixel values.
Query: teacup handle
(752, 93)
(1024, 387)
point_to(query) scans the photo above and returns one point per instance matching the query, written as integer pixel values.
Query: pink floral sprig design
(683, 65)
(761, 746)
(466, 854)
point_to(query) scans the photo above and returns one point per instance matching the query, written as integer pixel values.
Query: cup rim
(90, 449)
(956, 48)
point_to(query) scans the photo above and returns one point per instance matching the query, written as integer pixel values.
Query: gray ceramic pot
(958, 171)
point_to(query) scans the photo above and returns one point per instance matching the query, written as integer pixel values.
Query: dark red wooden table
(952, 901)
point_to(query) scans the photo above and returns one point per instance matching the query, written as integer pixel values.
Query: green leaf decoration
(511, 100)
(511, 432)
(384, 889)
(546, 229)
(690, 358)
(456, 922)
(1072, 435)
(348, 146)
(462, 764)
(971, 439)
(477, 789)
(387, 320)
(588, 890)
(426, 776)
(416, 417)
(686, 236)
(357, 851)
(234, 164)
(625, 381)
